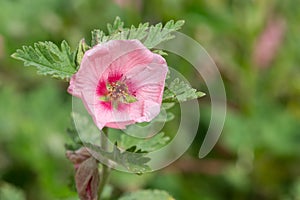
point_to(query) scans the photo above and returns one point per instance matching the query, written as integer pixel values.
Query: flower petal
(127, 54)
(144, 111)
(129, 61)
(150, 73)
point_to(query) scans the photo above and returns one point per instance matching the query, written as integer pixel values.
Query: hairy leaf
(49, 59)
(179, 91)
(116, 27)
(75, 142)
(148, 145)
(150, 36)
(158, 33)
(81, 49)
(98, 37)
(132, 159)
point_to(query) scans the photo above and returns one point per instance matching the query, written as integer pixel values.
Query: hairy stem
(104, 174)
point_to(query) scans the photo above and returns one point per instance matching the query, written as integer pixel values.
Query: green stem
(105, 169)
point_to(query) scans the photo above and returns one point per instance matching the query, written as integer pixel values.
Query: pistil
(117, 92)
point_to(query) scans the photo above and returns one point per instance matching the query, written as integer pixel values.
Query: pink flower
(120, 82)
(269, 42)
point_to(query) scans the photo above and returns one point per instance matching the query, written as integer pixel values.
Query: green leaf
(75, 142)
(116, 27)
(132, 159)
(139, 32)
(158, 33)
(150, 36)
(98, 37)
(167, 105)
(148, 145)
(160, 52)
(179, 91)
(147, 195)
(49, 59)
(82, 48)
(57, 62)
(169, 117)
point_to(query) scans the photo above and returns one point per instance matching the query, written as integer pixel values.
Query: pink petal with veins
(120, 65)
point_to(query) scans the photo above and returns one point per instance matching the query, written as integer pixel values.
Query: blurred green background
(256, 45)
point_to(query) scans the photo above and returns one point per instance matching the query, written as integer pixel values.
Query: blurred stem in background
(105, 171)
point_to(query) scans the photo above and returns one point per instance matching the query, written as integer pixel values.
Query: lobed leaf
(148, 145)
(116, 27)
(49, 59)
(179, 91)
(150, 36)
(61, 63)
(132, 159)
(138, 33)
(98, 37)
(81, 49)
(158, 33)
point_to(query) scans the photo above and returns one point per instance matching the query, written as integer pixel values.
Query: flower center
(117, 92)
